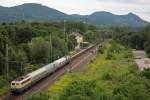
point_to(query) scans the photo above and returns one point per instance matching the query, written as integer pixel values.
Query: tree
(80, 89)
(38, 96)
(39, 50)
(59, 47)
(3, 41)
(24, 34)
(71, 42)
(146, 73)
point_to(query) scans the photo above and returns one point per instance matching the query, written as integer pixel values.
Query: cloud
(127, 1)
(121, 1)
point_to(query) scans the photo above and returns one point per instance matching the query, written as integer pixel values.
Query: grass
(4, 85)
(71, 53)
(4, 90)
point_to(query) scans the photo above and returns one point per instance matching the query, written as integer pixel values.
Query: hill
(38, 12)
(106, 18)
(30, 11)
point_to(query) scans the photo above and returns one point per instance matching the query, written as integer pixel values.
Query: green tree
(78, 89)
(146, 73)
(3, 41)
(38, 96)
(24, 34)
(39, 50)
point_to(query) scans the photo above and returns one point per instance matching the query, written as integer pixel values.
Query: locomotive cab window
(17, 84)
(12, 83)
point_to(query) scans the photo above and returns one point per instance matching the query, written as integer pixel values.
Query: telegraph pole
(51, 47)
(23, 18)
(21, 65)
(64, 27)
(7, 61)
(66, 36)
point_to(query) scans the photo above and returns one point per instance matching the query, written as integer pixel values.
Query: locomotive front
(20, 84)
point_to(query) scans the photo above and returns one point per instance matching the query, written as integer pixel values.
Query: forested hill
(38, 12)
(106, 18)
(30, 11)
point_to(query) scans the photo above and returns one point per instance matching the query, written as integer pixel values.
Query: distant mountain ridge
(107, 18)
(30, 11)
(38, 12)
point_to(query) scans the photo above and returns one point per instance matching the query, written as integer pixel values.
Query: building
(79, 39)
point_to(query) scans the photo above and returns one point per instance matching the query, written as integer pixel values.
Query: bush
(133, 87)
(3, 81)
(109, 55)
(38, 96)
(146, 73)
(78, 89)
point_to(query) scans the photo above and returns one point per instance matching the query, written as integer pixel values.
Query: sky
(84, 7)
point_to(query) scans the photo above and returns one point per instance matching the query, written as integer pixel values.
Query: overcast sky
(139, 7)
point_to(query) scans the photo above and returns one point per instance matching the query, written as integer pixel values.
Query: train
(23, 83)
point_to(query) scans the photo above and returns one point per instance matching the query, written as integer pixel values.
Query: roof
(21, 78)
(46, 67)
(38, 71)
(85, 42)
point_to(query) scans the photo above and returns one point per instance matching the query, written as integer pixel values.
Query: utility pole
(21, 65)
(7, 61)
(23, 17)
(51, 47)
(66, 36)
(64, 27)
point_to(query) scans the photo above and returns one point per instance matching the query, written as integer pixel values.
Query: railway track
(78, 62)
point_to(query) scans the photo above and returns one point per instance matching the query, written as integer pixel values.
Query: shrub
(146, 73)
(38, 96)
(78, 89)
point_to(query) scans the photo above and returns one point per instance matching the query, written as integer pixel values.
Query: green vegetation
(39, 96)
(112, 75)
(4, 85)
(29, 45)
(146, 73)
(135, 39)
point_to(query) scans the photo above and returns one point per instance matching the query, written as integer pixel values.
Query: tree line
(28, 43)
(136, 39)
